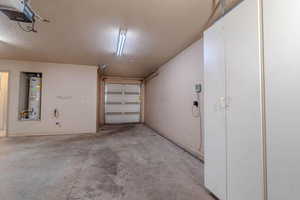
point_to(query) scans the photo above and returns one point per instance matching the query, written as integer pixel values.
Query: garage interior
(149, 100)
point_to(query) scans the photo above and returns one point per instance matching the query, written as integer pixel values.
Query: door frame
(6, 133)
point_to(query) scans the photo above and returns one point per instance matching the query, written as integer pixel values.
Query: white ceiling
(86, 32)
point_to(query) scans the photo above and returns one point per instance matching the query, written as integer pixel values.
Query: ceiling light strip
(121, 42)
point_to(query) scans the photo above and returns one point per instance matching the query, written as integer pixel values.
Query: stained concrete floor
(120, 163)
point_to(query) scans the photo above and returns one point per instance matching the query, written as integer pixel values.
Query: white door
(3, 102)
(122, 103)
(282, 62)
(244, 114)
(214, 111)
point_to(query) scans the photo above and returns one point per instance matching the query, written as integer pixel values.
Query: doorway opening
(3, 103)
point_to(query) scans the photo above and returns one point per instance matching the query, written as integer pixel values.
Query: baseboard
(198, 155)
(49, 133)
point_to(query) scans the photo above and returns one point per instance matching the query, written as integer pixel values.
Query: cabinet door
(214, 111)
(282, 63)
(244, 115)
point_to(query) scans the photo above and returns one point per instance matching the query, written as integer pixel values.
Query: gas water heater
(34, 98)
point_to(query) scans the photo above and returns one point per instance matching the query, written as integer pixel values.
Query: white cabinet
(233, 107)
(282, 63)
(252, 124)
(214, 111)
(243, 95)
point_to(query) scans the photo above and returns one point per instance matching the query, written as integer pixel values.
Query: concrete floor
(122, 163)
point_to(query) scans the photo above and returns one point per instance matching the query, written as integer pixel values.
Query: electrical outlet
(58, 124)
(198, 88)
(196, 103)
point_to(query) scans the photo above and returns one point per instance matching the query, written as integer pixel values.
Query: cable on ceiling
(214, 11)
(27, 28)
(36, 16)
(223, 6)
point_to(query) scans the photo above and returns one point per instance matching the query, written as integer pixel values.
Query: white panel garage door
(122, 103)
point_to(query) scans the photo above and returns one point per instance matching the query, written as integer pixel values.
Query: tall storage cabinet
(282, 63)
(233, 105)
(244, 97)
(214, 111)
(252, 125)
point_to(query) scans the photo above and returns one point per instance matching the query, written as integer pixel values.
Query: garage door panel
(122, 103)
(132, 88)
(122, 108)
(131, 108)
(113, 108)
(132, 98)
(114, 119)
(119, 119)
(132, 118)
(113, 88)
(114, 98)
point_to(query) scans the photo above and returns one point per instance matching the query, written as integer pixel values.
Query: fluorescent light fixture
(121, 42)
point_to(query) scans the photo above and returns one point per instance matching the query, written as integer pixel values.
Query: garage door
(122, 103)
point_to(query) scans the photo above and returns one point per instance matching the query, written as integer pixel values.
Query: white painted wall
(169, 98)
(72, 89)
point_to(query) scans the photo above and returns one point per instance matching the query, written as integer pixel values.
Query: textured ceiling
(86, 32)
